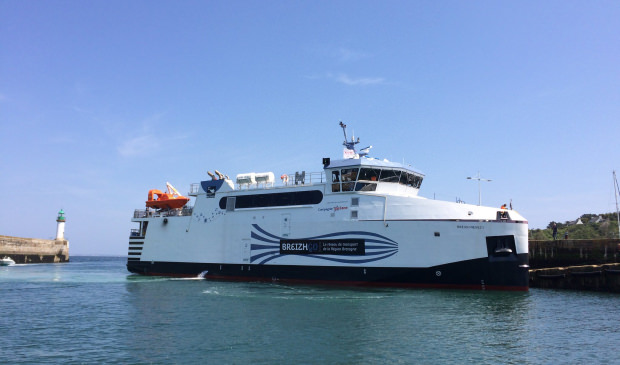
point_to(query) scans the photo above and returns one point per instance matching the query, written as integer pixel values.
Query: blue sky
(101, 101)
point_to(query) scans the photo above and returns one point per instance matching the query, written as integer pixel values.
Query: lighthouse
(60, 227)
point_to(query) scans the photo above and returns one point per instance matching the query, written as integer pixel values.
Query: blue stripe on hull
(482, 273)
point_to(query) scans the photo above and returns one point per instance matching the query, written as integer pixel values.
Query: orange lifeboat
(170, 200)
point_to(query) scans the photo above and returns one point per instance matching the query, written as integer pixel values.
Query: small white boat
(6, 261)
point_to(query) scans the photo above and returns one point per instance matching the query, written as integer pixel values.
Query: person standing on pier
(555, 231)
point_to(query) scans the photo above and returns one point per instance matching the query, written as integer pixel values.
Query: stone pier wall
(562, 253)
(587, 277)
(575, 264)
(34, 250)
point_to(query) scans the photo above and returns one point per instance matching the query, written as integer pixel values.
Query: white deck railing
(286, 180)
(144, 213)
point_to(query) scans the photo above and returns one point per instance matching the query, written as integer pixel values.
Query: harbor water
(91, 310)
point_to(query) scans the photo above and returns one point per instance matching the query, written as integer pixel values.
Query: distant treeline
(588, 226)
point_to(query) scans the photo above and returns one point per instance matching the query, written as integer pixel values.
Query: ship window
(404, 177)
(285, 199)
(365, 186)
(418, 181)
(230, 203)
(354, 214)
(414, 180)
(411, 180)
(335, 181)
(368, 174)
(355, 202)
(272, 200)
(349, 174)
(348, 179)
(260, 200)
(390, 176)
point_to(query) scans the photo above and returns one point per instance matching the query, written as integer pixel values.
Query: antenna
(344, 130)
(347, 144)
(616, 191)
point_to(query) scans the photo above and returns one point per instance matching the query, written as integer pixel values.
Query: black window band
(306, 197)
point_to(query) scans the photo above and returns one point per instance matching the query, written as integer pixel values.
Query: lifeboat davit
(170, 200)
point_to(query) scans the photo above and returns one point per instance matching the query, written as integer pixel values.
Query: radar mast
(349, 147)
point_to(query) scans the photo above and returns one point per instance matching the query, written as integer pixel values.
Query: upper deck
(356, 172)
(363, 174)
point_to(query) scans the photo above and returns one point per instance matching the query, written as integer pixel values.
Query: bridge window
(368, 174)
(367, 178)
(403, 178)
(411, 180)
(335, 181)
(349, 176)
(417, 181)
(389, 176)
(365, 186)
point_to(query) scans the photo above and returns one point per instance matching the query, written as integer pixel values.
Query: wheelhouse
(366, 174)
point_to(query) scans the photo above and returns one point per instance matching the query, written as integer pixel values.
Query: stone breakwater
(34, 250)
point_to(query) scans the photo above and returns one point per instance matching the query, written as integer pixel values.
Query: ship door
(285, 225)
(246, 250)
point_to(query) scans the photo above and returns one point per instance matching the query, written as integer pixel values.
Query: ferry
(358, 222)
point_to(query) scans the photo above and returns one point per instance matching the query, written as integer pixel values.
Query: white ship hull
(356, 238)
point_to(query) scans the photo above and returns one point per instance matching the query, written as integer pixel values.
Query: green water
(92, 310)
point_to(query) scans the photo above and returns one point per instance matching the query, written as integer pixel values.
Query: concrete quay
(592, 265)
(34, 250)
(586, 277)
